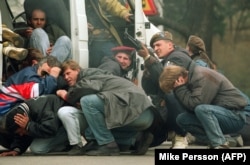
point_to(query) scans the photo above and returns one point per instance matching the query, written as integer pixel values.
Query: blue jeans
(93, 109)
(210, 122)
(57, 143)
(74, 122)
(62, 48)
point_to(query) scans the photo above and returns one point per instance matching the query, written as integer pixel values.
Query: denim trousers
(93, 109)
(74, 122)
(57, 143)
(209, 123)
(62, 48)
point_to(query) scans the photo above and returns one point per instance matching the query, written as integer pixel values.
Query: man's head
(162, 43)
(33, 57)
(70, 70)
(46, 63)
(10, 124)
(37, 19)
(171, 77)
(124, 56)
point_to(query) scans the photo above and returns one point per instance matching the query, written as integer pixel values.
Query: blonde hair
(169, 75)
(70, 64)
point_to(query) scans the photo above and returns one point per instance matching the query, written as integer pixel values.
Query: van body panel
(79, 32)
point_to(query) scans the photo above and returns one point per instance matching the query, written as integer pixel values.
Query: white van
(70, 15)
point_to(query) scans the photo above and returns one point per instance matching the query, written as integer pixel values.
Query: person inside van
(103, 36)
(122, 63)
(48, 37)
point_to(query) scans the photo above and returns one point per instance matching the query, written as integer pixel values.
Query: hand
(127, 17)
(180, 81)
(21, 120)
(55, 71)
(143, 52)
(49, 50)
(90, 27)
(61, 93)
(9, 153)
(28, 32)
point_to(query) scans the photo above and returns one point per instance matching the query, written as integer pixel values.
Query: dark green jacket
(123, 100)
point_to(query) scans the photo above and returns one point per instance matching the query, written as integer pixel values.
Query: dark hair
(33, 54)
(51, 60)
(197, 46)
(11, 126)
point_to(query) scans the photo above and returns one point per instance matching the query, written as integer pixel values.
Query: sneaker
(13, 37)
(179, 142)
(223, 146)
(110, 149)
(190, 138)
(143, 143)
(76, 150)
(235, 141)
(15, 53)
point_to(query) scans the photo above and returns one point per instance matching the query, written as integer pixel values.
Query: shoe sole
(17, 55)
(16, 39)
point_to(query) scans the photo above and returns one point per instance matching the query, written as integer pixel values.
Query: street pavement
(64, 159)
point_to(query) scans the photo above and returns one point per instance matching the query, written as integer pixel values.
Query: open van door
(144, 30)
(79, 32)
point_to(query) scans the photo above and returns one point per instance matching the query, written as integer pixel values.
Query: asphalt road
(123, 159)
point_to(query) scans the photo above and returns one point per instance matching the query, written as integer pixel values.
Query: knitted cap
(125, 49)
(196, 44)
(161, 36)
(122, 49)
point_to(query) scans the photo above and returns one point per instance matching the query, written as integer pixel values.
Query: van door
(79, 32)
(144, 30)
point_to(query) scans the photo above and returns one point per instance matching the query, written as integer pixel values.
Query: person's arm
(115, 8)
(19, 146)
(199, 90)
(46, 127)
(82, 88)
(49, 83)
(28, 84)
(152, 66)
(43, 122)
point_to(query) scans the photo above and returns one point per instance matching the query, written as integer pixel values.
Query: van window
(16, 8)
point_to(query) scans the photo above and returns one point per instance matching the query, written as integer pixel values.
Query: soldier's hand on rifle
(144, 53)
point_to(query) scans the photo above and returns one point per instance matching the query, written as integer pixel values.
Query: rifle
(135, 71)
(137, 44)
